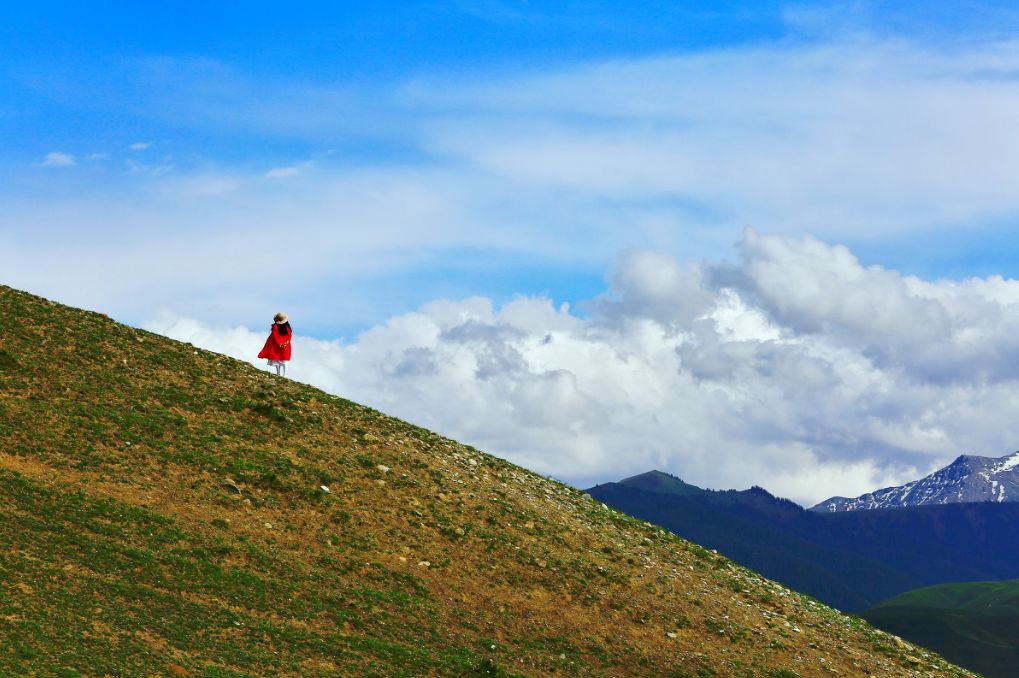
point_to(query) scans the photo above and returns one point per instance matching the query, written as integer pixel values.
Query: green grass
(122, 571)
(986, 597)
(975, 624)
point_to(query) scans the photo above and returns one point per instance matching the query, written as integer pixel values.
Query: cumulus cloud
(139, 146)
(57, 159)
(795, 367)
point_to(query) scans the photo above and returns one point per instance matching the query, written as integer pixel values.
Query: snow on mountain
(967, 479)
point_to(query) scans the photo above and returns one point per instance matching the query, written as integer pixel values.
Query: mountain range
(851, 560)
(967, 479)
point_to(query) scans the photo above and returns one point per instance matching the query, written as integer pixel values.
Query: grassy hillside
(164, 511)
(976, 624)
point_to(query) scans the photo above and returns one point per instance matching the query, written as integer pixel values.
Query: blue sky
(371, 168)
(230, 89)
(69, 65)
(75, 72)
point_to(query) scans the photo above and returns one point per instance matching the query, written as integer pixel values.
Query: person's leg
(283, 368)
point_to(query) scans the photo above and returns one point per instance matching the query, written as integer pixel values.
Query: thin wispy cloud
(284, 172)
(57, 159)
(147, 169)
(863, 137)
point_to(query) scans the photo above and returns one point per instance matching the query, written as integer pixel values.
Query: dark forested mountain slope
(851, 560)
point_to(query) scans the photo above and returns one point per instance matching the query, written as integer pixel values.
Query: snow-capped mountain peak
(967, 479)
(1007, 463)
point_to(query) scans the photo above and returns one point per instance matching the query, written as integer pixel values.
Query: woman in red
(277, 346)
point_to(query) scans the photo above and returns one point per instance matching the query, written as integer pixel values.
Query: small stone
(229, 484)
(380, 482)
(268, 526)
(324, 488)
(383, 468)
(424, 563)
(671, 634)
(403, 559)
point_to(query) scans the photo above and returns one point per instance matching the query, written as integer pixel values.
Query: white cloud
(861, 138)
(57, 159)
(202, 186)
(726, 374)
(284, 172)
(338, 232)
(145, 169)
(139, 146)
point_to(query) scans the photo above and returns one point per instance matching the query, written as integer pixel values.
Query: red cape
(277, 346)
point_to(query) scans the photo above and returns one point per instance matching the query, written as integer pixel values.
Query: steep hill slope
(851, 560)
(170, 511)
(976, 624)
(967, 479)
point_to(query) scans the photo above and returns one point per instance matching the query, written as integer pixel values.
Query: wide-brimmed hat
(281, 317)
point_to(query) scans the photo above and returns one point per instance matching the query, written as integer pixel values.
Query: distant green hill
(168, 511)
(664, 484)
(975, 625)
